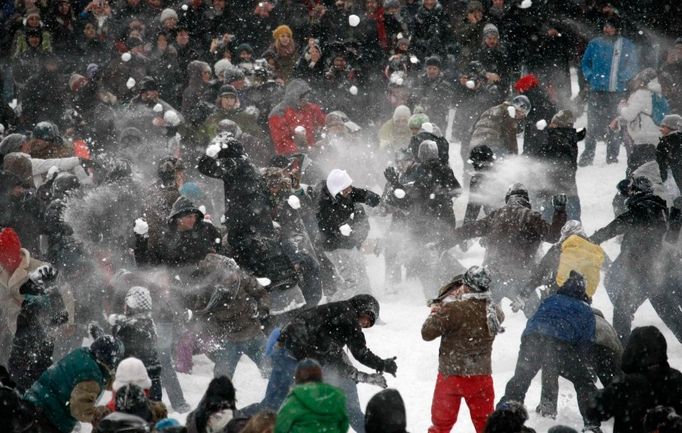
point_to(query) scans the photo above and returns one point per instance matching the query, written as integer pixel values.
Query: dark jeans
(547, 353)
(227, 357)
(602, 108)
(334, 375)
(169, 378)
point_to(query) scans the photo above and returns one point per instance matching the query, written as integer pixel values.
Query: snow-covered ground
(417, 360)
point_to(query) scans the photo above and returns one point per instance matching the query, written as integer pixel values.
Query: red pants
(478, 393)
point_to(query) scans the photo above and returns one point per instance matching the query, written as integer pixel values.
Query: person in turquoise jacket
(67, 392)
(609, 62)
(312, 406)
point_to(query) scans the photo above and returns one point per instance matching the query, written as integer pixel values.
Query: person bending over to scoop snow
(467, 320)
(636, 274)
(513, 234)
(557, 337)
(68, 391)
(322, 333)
(312, 406)
(649, 381)
(344, 227)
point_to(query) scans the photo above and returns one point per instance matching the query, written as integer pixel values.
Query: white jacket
(637, 113)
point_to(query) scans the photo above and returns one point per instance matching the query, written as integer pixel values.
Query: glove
(559, 201)
(390, 366)
(141, 227)
(43, 274)
(517, 304)
(373, 199)
(391, 175)
(372, 379)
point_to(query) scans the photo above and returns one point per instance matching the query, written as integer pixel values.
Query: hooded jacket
(607, 69)
(649, 381)
(289, 114)
(333, 212)
(496, 129)
(313, 408)
(220, 395)
(638, 111)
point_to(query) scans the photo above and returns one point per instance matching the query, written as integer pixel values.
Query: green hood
(319, 398)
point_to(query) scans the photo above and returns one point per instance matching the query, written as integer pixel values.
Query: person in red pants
(467, 320)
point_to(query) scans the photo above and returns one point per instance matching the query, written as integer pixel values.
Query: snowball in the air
(299, 130)
(345, 230)
(171, 117)
(353, 20)
(264, 281)
(213, 150)
(512, 111)
(130, 83)
(525, 4)
(13, 104)
(432, 196)
(470, 84)
(126, 57)
(294, 202)
(353, 90)
(158, 108)
(202, 209)
(141, 227)
(414, 60)
(184, 7)
(399, 193)
(541, 124)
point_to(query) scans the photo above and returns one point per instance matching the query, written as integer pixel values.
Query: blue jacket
(564, 318)
(599, 58)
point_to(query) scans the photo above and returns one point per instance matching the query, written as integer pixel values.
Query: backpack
(659, 107)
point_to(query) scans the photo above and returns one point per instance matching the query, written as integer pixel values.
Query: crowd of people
(121, 257)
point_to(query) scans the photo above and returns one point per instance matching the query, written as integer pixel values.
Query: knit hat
(166, 424)
(672, 121)
(168, 13)
(232, 74)
(132, 400)
(392, 4)
(131, 371)
(477, 278)
(19, 164)
(401, 112)
(490, 29)
(32, 12)
(337, 181)
(416, 120)
(221, 66)
(226, 90)
(433, 61)
(526, 83)
(138, 299)
(308, 370)
(572, 227)
(574, 286)
(148, 83)
(10, 250)
(244, 47)
(76, 81)
(428, 150)
(474, 5)
(281, 31)
(563, 119)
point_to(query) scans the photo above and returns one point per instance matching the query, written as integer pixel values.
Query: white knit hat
(131, 371)
(168, 13)
(221, 66)
(337, 181)
(138, 299)
(401, 112)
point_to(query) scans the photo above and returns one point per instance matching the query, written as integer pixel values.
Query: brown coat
(466, 343)
(496, 129)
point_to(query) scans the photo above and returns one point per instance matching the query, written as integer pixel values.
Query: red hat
(10, 250)
(526, 83)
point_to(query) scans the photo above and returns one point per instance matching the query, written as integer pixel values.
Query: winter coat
(637, 112)
(43, 99)
(559, 150)
(466, 341)
(431, 32)
(68, 390)
(513, 234)
(137, 332)
(436, 96)
(228, 300)
(196, 88)
(322, 332)
(393, 138)
(669, 155)
(534, 139)
(606, 336)
(442, 142)
(642, 226)
(42, 311)
(313, 408)
(649, 381)
(157, 206)
(287, 115)
(11, 298)
(333, 212)
(496, 129)
(565, 318)
(599, 57)
(72, 164)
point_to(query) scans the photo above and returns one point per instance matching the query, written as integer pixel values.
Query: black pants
(548, 353)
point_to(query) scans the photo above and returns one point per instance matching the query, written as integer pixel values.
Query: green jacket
(68, 390)
(313, 408)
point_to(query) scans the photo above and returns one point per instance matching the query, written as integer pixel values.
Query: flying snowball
(414, 60)
(470, 84)
(353, 20)
(525, 4)
(130, 83)
(184, 7)
(202, 209)
(171, 117)
(345, 230)
(141, 227)
(353, 90)
(212, 151)
(399, 193)
(512, 112)
(158, 108)
(541, 124)
(299, 130)
(294, 202)
(126, 57)
(264, 281)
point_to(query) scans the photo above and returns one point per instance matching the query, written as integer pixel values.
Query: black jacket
(542, 109)
(322, 332)
(442, 142)
(138, 335)
(669, 155)
(559, 150)
(648, 381)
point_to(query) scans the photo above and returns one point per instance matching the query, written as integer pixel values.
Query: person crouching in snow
(137, 332)
(467, 320)
(344, 226)
(131, 371)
